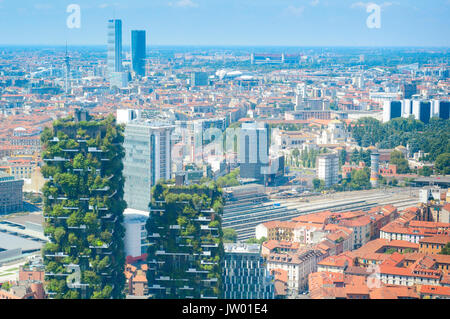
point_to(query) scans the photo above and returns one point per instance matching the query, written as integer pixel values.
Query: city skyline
(243, 23)
(240, 149)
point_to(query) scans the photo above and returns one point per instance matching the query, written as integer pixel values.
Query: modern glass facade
(244, 273)
(11, 196)
(114, 46)
(147, 160)
(138, 46)
(444, 110)
(199, 79)
(253, 150)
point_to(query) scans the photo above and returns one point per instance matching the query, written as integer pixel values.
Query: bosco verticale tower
(186, 251)
(83, 210)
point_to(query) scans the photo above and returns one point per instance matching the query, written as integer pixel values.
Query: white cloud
(296, 11)
(364, 5)
(183, 4)
(314, 2)
(108, 5)
(43, 6)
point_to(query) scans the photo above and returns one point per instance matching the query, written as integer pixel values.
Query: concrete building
(137, 283)
(334, 134)
(298, 267)
(421, 110)
(391, 110)
(440, 109)
(135, 241)
(125, 116)
(328, 168)
(24, 290)
(374, 169)
(244, 273)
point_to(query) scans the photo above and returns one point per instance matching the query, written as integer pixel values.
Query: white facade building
(328, 168)
(135, 234)
(147, 160)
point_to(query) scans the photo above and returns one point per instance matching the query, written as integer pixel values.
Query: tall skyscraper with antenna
(67, 73)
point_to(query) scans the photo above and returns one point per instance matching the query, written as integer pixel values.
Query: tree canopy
(432, 138)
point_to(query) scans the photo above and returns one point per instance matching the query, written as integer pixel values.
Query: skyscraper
(83, 208)
(147, 160)
(138, 46)
(67, 73)
(185, 242)
(114, 46)
(253, 150)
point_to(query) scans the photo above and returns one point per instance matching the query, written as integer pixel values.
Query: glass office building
(253, 150)
(114, 46)
(138, 51)
(244, 273)
(147, 160)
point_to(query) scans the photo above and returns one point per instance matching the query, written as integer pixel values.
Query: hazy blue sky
(230, 22)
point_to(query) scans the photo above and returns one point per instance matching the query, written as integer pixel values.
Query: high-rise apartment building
(138, 54)
(421, 110)
(185, 242)
(147, 160)
(391, 110)
(244, 273)
(440, 109)
(328, 168)
(83, 208)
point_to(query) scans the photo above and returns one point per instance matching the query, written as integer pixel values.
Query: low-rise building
(433, 292)
(433, 244)
(22, 290)
(136, 277)
(298, 267)
(413, 230)
(337, 263)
